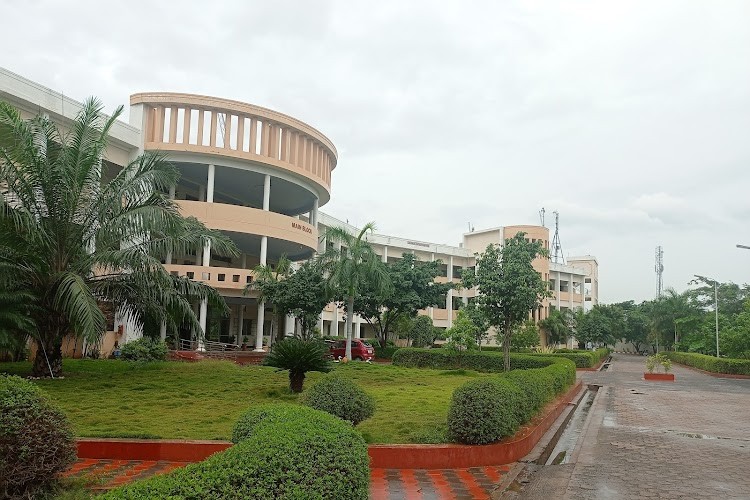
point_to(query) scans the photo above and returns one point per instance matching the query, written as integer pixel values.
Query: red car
(361, 351)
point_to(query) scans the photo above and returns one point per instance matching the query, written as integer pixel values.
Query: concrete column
(259, 329)
(320, 324)
(210, 184)
(243, 260)
(570, 292)
(357, 329)
(385, 253)
(171, 192)
(314, 214)
(450, 269)
(241, 319)
(289, 324)
(335, 322)
(449, 307)
(202, 319)
(322, 244)
(201, 193)
(266, 192)
(263, 249)
(163, 331)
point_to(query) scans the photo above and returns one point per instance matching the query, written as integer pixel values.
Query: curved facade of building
(257, 175)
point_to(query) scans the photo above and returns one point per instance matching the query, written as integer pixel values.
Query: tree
(422, 332)
(351, 269)
(594, 326)
(306, 294)
(557, 327)
(525, 336)
(480, 321)
(413, 288)
(636, 328)
(509, 286)
(72, 241)
(462, 335)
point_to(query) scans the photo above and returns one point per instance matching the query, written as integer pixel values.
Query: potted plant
(244, 343)
(655, 360)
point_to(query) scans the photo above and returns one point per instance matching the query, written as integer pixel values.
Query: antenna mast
(557, 254)
(659, 268)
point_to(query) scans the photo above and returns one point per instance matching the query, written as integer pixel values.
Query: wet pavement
(476, 483)
(684, 439)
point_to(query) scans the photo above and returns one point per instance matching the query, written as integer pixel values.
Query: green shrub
(710, 363)
(385, 352)
(36, 440)
(340, 397)
(472, 360)
(299, 357)
(582, 359)
(278, 413)
(484, 411)
(310, 455)
(144, 349)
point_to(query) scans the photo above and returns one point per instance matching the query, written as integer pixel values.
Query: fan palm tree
(73, 241)
(349, 269)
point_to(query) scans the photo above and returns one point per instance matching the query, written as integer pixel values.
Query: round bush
(144, 349)
(279, 413)
(310, 455)
(484, 411)
(340, 397)
(36, 440)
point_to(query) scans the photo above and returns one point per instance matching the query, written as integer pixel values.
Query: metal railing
(207, 346)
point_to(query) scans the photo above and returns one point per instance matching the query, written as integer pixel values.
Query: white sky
(632, 119)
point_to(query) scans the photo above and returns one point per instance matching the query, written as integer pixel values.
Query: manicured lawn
(108, 398)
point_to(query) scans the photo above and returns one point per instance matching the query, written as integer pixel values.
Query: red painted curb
(666, 377)
(456, 456)
(714, 374)
(393, 456)
(149, 449)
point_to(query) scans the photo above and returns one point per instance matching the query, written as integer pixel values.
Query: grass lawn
(112, 398)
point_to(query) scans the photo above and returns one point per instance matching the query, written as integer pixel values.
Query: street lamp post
(716, 308)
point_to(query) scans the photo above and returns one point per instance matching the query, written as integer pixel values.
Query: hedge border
(712, 364)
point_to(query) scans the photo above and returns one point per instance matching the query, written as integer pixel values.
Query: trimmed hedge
(582, 359)
(471, 360)
(36, 439)
(484, 411)
(711, 363)
(385, 352)
(298, 453)
(341, 398)
(487, 410)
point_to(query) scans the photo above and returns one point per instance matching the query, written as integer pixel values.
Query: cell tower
(557, 253)
(659, 268)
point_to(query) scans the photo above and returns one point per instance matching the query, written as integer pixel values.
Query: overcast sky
(632, 119)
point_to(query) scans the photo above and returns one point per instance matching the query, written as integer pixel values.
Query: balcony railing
(192, 123)
(217, 277)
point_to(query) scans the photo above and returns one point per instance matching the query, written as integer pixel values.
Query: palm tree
(73, 241)
(350, 268)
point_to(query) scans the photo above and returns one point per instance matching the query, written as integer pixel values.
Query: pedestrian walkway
(386, 484)
(684, 439)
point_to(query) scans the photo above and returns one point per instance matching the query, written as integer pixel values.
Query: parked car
(361, 351)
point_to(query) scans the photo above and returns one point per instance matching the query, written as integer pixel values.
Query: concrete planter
(666, 377)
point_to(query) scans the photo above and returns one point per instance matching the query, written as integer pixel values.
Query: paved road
(684, 439)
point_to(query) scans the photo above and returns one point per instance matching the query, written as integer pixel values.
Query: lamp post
(716, 309)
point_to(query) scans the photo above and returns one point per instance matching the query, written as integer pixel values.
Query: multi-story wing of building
(260, 177)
